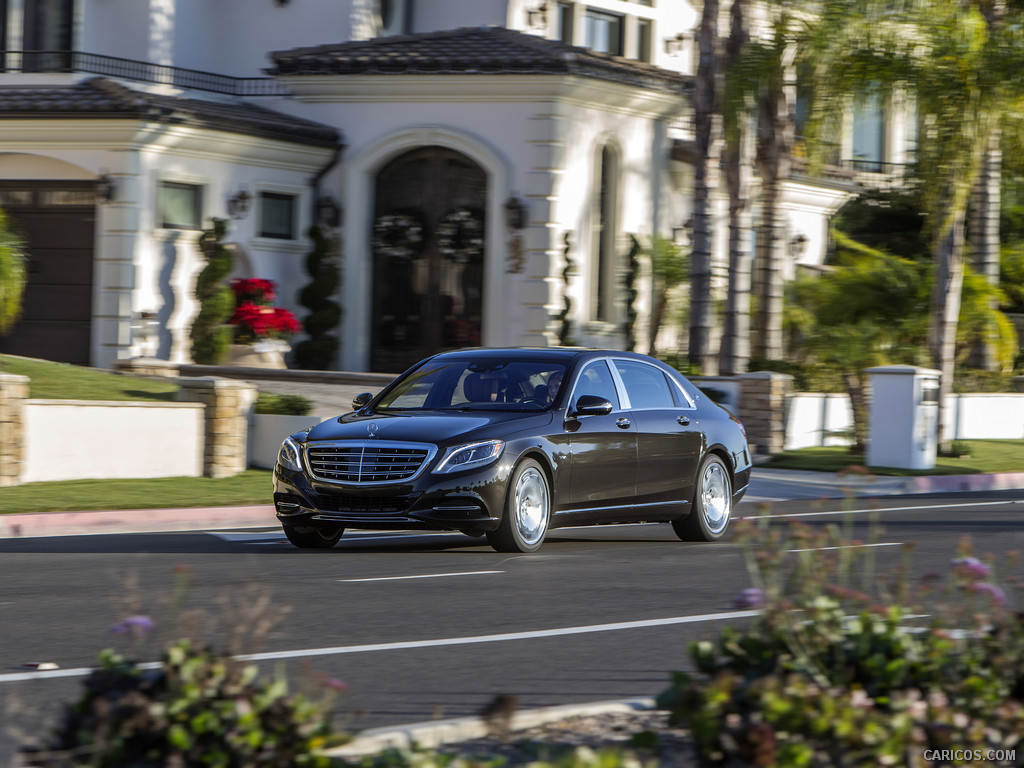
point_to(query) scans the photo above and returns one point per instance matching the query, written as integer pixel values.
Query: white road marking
(880, 509)
(423, 576)
(850, 546)
(411, 644)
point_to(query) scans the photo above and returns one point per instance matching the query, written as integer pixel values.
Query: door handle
(684, 420)
(622, 423)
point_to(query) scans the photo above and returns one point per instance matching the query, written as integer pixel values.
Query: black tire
(527, 513)
(712, 503)
(313, 538)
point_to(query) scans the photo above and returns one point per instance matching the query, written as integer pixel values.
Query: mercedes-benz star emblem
(371, 428)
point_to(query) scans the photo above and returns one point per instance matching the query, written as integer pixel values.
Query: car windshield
(476, 384)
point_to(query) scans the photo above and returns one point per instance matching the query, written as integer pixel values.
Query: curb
(16, 525)
(436, 733)
(939, 483)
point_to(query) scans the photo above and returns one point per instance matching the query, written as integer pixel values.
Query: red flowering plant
(254, 319)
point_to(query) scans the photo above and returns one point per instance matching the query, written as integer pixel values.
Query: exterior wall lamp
(239, 204)
(106, 189)
(676, 45)
(328, 212)
(515, 213)
(537, 16)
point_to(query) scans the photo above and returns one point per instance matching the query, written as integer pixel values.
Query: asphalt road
(427, 626)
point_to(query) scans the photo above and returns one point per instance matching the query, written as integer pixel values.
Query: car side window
(596, 379)
(645, 385)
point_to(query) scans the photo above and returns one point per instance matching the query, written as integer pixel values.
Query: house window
(47, 33)
(180, 205)
(603, 32)
(869, 135)
(605, 215)
(277, 215)
(563, 22)
(391, 17)
(643, 40)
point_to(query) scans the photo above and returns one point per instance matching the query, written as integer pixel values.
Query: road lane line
(880, 509)
(423, 576)
(414, 644)
(850, 546)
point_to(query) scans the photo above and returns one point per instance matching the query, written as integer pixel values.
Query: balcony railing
(139, 71)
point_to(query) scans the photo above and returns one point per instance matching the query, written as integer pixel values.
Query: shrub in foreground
(196, 708)
(834, 673)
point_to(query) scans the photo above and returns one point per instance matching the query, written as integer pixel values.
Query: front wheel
(527, 511)
(312, 538)
(712, 503)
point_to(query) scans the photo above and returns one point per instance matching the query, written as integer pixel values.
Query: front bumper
(471, 501)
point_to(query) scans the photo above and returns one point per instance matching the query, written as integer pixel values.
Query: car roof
(564, 355)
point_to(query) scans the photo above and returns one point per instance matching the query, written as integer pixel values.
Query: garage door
(57, 221)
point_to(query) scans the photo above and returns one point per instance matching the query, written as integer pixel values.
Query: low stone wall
(204, 434)
(227, 421)
(13, 393)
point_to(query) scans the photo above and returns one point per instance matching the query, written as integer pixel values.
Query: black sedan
(510, 443)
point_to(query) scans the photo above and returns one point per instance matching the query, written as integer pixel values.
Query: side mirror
(360, 400)
(591, 405)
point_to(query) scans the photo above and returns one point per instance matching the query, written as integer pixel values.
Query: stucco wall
(73, 440)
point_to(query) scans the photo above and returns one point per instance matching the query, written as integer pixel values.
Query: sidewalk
(767, 485)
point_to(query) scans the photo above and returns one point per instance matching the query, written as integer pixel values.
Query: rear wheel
(312, 538)
(527, 511)
(712, 503)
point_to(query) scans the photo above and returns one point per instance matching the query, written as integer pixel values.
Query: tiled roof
(470, 50)
(102, 98)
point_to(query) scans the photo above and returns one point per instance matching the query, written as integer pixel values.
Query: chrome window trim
(624, 394)
(615, 382)
(430, 448)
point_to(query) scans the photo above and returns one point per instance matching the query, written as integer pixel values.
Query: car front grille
(382, 505)
(369, 461)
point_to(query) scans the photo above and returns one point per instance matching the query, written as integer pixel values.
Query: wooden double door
(428, 241)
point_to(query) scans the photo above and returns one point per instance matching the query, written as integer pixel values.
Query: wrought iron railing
(139, 71)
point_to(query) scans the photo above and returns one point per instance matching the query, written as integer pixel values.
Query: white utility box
(903, 418)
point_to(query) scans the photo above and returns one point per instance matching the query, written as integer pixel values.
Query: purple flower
(970, 566)
(997, 595)
(749, 599)
(136, 626)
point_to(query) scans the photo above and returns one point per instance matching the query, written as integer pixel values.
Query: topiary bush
(211, 334)
(318, 351)
(288, 405)
(835, 671)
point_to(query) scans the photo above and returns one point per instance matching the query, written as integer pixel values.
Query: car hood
(427, 427)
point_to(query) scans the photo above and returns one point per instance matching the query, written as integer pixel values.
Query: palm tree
(737, 169)
(963, 64)
(762, 73)
(13, 275)
(707, 120)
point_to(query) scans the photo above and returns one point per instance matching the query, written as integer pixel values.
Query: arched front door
(428, 256)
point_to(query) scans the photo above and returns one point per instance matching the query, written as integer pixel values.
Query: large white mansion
(482, 164)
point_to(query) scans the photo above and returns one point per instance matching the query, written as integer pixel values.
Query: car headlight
(288, 456)
(472, 456)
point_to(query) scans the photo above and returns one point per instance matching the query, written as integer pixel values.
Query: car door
(669, 441)
(602, 451)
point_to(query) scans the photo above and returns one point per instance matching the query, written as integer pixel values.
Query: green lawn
(60, 381)
(982, 456)
(253, 486)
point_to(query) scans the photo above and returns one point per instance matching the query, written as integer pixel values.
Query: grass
(61, 381)
(982, 456)
(250, 487)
